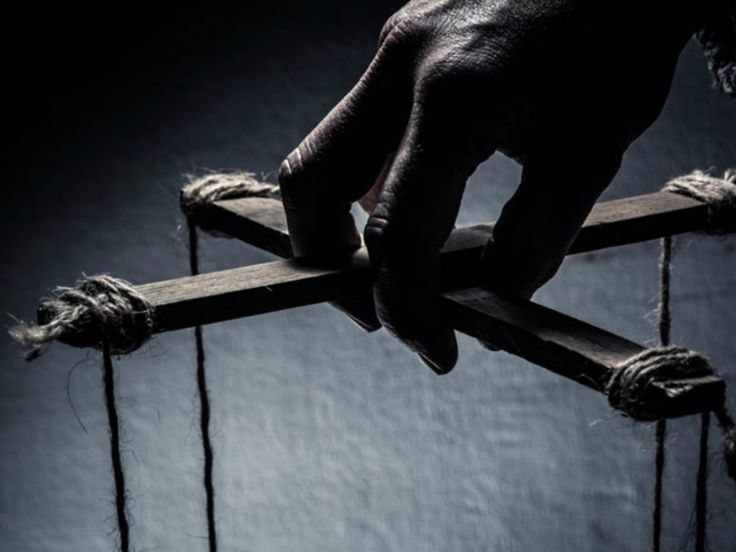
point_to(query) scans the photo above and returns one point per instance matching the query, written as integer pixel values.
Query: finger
(415, 213)
(341, 158)
(541, 220)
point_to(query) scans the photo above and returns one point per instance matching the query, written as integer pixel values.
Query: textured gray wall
(328, 439)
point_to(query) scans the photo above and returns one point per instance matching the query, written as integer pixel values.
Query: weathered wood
(259, 221)
(569, 347)
(262, 223)
(251, 290)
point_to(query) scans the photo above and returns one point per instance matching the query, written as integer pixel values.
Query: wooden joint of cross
(569, 347)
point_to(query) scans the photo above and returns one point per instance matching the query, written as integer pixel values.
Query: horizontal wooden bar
(256, 289)
(262, 222)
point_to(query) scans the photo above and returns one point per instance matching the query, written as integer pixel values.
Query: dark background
(325, 438)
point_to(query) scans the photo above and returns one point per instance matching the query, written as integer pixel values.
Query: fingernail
(440, 352)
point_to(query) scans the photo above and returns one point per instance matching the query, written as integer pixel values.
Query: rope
(101, 311)
(195, 197)
(115, 455)
(664, 327)
(108, 314)
(701, 488)
(204, 402)
(201, 191)
(659, 460)
(626, 388)
(718, 193)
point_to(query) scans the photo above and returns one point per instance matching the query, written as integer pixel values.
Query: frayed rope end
(32, 337)
(100, 310)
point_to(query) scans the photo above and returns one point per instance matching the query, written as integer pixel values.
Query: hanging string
(720, 195)
(701, 489)
(664, 328)
(115, 455)
(627, 389)
(111, 315)
(195, 197)
(701, 496)
(661, 433)
(204, 401)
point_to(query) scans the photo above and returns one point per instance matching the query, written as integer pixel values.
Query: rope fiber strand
(101, 311)
(718, 193)
(115, 453)
(626, 389)
(204, 402)
(201, 191)
(108, 314)
(195, 196)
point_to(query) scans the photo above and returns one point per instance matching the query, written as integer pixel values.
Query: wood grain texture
(262, 223)
(569, 347)
(250, 290)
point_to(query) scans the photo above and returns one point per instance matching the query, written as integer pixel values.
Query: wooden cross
(569, 347)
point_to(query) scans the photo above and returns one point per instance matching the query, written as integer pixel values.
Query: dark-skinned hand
(562, 86)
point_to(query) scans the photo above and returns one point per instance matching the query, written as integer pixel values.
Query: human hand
(562, 86)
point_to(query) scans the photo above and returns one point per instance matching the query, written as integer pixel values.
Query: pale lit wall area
(326, 438)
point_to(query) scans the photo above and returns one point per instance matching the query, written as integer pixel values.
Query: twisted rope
(626, 389)
(116, 459)
(718, 193)
(664, 327)
(101, 311)
(195, 197)
(201, 191)
(111, 315)
(204, 403)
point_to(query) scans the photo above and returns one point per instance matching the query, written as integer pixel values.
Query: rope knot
(627, 388)
(100, 310)
(718, 193)
(203, 190)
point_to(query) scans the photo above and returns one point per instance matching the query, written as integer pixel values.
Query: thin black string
(665, 315)
(664, 327)
(661, 433)
(117, 463)
(204, 402)
(701, 489)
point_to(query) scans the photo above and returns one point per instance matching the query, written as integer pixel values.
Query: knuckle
(392, 27)
(375, 236)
